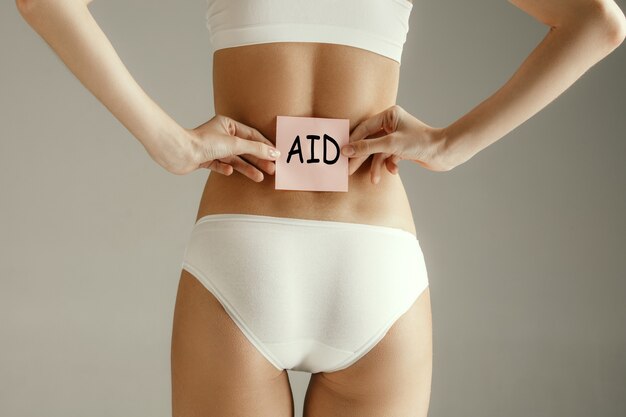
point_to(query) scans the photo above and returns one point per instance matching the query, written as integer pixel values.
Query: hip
(311, 295)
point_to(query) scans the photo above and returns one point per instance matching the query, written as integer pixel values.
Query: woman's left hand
(392, 135)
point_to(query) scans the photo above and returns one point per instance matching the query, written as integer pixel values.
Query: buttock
(310, 295)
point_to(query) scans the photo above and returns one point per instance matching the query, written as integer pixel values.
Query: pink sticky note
(310, 153)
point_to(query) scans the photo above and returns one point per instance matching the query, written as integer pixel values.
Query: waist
(384, 204)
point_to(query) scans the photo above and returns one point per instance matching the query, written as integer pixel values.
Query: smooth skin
(215, 371)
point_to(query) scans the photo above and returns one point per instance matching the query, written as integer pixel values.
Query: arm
(70, 30)
(582, 32)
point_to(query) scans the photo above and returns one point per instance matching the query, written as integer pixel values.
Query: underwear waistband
(304, 222)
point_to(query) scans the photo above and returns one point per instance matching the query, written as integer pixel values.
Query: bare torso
(255, 83)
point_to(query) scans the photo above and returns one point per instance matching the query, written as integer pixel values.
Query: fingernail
(348, 150)
(376, 179)
(274, 153)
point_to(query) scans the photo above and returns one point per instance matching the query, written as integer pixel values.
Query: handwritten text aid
(310, 153)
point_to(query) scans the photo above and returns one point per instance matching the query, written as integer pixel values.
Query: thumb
(366, 147)
(259, 149)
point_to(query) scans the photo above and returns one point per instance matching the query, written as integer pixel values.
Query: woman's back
(254, 84)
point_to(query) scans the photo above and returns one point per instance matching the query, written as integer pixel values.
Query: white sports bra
(379, 26)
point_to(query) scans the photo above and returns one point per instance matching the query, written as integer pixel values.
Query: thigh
(216, 371)
(391, 380)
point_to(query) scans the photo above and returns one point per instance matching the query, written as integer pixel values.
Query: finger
(381, 165)
(374, 124)
(268, 166)
(258, 149)
(217, 166)
(251, 141)
(383, 162)
(391, 167)
(393, 163)
(264, 164)
(375, 167)
(247, 169)
(246, 132)
(365, 147)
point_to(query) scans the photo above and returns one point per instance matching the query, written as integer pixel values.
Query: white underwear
(310, 295)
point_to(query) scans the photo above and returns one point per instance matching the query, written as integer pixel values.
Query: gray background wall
(524, 243)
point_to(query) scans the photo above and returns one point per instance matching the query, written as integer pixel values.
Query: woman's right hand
(221, 144)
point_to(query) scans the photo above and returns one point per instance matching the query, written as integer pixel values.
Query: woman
(333, 283)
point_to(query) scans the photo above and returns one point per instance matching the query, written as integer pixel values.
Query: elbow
(610, 18)
(617, 30)
(25, 6)
(601, 19)
(29, 7)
